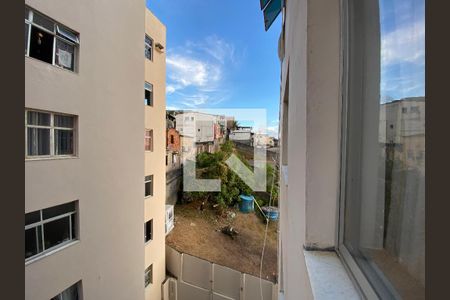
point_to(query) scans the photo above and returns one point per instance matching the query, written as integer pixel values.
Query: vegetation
(213, 166)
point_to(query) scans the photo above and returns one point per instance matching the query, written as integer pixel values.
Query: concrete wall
(310, 109)
(107, 176)
(201, 279)
(155, 116)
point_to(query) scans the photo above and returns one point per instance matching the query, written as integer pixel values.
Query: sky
(402, 25)
(220, 57)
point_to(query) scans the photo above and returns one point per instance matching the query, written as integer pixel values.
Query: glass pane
(38, 140)
(31, 242)
(149, 275)
(63, 142)
(64, 54)
(74, 226)
(41, 45)
(148, 189)
(32, 217)
(27, 29)
(66, 33)
(43, 21)
(56, 232)
(58, 210)
(70, 293)
(64, 121)
(147, 99)
(384, 219)
(38, 118)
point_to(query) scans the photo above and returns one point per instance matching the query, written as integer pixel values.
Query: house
(241, 135)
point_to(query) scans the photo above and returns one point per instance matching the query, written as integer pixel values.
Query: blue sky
(402, 48)
(219, 56)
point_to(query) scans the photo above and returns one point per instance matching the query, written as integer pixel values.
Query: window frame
(150, 138)
(77, 285)
(52, 129)
(73, 234)
(148, 272)
(151, 181)
(56, 35)
(150, 46)
(378, 288)
(151, 93)
(360, 281)
(151, 231)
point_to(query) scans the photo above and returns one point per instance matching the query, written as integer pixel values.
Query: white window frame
(150, 46)
(52, 135)
(150, 131)
(382, 288)
(73, 236)
(149, 87)
(64, 36)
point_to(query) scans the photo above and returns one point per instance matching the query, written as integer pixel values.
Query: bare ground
(198, 233)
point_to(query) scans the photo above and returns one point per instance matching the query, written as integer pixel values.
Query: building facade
(84, 160)
(352, 218)
(155, 168)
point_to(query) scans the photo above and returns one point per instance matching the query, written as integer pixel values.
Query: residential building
(206, 130)
(242, 135)
(173, 149)
(155, 168)
(262, 140)
(402, 131)
(84, 155)
(352, 223)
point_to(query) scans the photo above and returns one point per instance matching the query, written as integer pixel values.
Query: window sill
(51, 157)
(328, 276)
(53, 65)
(45, 254)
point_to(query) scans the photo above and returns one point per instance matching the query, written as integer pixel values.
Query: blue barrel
(246, 204)
(271, 212)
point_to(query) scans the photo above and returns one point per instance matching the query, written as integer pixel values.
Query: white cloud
(186, 71)
(405, 44)
(196, 71)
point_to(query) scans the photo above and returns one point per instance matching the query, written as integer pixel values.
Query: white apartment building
(84, 156)
(242, 134)
(155, 153)
(196, 124)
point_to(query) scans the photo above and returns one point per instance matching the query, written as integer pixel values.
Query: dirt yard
(198, 233)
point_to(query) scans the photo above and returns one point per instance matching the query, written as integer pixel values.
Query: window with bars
(149, 275)
(148, 231)
(148, 100)
(148, 185)
(49, 134)
(49, 41)
(148, 47)
(49, 228)
(149, 140)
